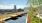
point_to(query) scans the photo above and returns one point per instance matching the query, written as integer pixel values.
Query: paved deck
(6, 16)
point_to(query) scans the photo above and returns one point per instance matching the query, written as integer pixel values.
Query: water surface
(19, 20)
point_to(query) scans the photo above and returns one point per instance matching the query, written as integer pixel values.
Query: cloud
(20, 6)
(6, 7)
(11, 6)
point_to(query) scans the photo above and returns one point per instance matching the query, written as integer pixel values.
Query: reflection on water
(19, 20)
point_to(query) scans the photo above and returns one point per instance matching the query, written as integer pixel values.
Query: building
(8, 10)
(5, 11)
(15, 8)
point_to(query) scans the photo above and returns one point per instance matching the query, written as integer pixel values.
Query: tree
(34, 7)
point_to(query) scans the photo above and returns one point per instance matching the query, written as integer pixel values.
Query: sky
(9, 4)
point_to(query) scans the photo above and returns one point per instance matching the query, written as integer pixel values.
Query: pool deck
(6, 16)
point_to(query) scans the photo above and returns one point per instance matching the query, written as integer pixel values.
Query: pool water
(19, 20)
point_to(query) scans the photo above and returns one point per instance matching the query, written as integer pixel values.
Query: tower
(15, 8)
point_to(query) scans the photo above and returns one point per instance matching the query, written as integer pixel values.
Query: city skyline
(12, 7)
(8, 4)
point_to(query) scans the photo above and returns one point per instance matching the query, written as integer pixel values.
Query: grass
(34, 18)
(41, 19)
(41, 15)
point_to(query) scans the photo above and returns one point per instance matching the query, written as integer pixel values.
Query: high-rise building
(15, 8)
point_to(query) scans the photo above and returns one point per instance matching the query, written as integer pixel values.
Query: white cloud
(20, 6)
(11, 6)
(6, 7)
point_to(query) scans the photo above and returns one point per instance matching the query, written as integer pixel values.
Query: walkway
(6, 16)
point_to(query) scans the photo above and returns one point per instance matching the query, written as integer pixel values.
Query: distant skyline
(8, 4)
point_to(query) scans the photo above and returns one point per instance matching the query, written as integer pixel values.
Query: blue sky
(8, 4)
(15, 2)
